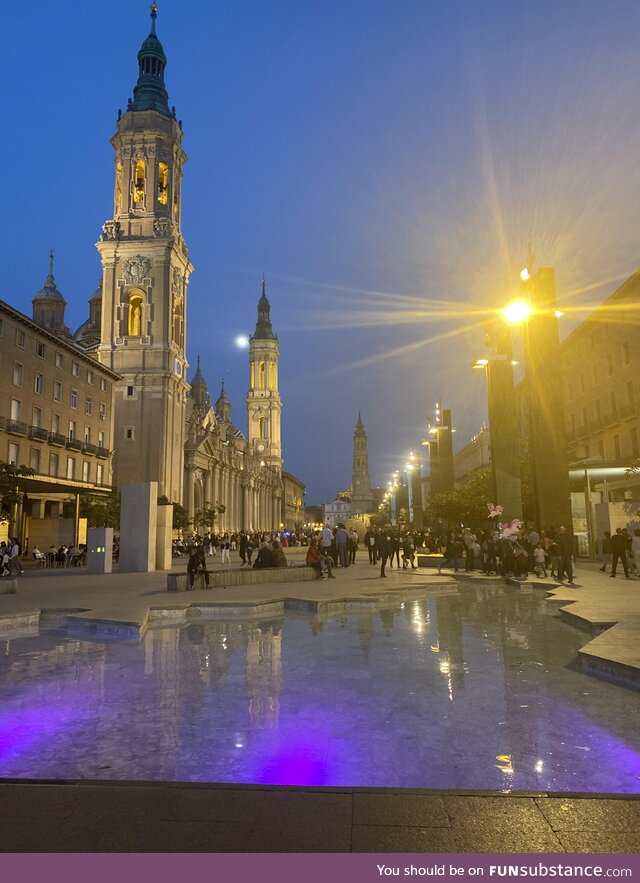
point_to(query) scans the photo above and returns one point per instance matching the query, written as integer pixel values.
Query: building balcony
(15, 427)
(38, 433)
(102, 452)
(73, 444)
(88, 448)
(56, 439)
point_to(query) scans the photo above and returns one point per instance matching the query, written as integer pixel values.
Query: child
(539, 561)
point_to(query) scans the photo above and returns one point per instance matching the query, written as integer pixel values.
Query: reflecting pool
(472, 688)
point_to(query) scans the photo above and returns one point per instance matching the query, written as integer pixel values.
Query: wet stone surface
(473, 690)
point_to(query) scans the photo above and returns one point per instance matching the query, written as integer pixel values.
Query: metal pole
(591, 550)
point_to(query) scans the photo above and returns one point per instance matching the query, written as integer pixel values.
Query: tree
(633, 469)
(466, 503)
(181, 520)
(10, 476)
(207, 516)
(100, 510)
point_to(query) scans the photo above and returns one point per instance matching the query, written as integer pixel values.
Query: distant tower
(49, 305)
(361, 495)
(263, 400)
(146, 268)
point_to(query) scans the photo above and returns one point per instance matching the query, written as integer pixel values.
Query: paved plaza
(86, 815)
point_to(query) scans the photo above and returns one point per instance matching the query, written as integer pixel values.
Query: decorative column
(190, 491)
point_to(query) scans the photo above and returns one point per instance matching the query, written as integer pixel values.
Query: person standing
(619, 543)
(353, 545)
(342, 542)
(384, 549)
(565, 555)
(370, 543)
(242, 548)
(635, 550)
(326, 540)
(224, 549)
(395, 549)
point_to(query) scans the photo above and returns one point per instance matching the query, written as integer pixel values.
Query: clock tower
(145, 274)
(263, 400)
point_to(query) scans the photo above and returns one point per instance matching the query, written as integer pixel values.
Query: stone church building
(165, 429)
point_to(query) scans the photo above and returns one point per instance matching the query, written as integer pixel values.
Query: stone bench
(179, 582)
(8, 585)
(432, 559)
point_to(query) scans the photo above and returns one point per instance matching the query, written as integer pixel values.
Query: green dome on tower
(150, 92)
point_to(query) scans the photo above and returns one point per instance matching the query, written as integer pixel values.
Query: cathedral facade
(165, 429)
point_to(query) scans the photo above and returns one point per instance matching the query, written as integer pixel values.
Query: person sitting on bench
(197, 564)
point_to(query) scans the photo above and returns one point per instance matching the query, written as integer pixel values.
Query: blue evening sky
(384, 162)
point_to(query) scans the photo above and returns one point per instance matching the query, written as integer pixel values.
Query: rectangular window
(72, 430)
(85, 470)
(36, 418)
(57, 391)
(103, 384)
(612, 401)
(58, 360)
(89, 376)
(129, 390)
(598, 409)
(75, 369)
(20, 340)
(74, 398)
(34, 459)
(38, 384)
(1, 328)
(55, 423)
(609, 365)
(584, 416)
(601, 449)
(15, 409)
(100, 474)
(18, 374)
(635, 448)
(40, 350)
(572, 420)
(571, 392)
(616, 447)
(14, 453)
(101, 439)
(129, 433)
(87, 435)
(71, 468)
(102, 410)
(88, 406)
(630, 393)
(626, 353)
(595, 373)
(53, 465)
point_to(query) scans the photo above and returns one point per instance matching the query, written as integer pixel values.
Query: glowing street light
(517, 311)
(242, 341)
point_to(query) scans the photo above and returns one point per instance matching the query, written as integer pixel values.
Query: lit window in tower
(163, 183)
(253, 376)
(272, 375)
(262, 427)
(138, 182)
(134, 326)
(261, 375)
(118, 195)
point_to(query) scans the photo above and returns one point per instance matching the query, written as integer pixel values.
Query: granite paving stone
(388, 838)
(605, 841)
(588, 814)
(400, 809)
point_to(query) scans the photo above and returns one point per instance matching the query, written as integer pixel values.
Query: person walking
(242, 548)
(384, 549)
(342, 543)
(565, 555)
(606, 551)
(619, 543)
(224, 549)
(395, 549)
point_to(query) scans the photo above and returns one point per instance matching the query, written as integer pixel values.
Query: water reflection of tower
(365, 633)
(451, 659)
(264, 674)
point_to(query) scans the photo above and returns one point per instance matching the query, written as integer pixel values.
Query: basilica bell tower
(146, 269)
(264, 407)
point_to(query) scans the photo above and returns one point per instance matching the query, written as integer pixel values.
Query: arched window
(272, 375)
(263, 427)
(118, 194)
(253, 375)
(138, 182)
(163, 183)
(261, 375)
(134, 325)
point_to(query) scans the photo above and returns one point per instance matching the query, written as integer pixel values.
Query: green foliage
(633, 469)
(181, 520)
(465, 503)
(10, 476)
(206, 517)
(101, 511)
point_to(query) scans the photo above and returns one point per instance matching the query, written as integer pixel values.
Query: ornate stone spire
(223, 405)
(264, 329)
(150, 92)
(199, 389)
(49, 304)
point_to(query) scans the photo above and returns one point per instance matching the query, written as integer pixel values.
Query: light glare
(517, 311)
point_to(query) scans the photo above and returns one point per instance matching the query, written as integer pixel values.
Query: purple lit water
(469, 690)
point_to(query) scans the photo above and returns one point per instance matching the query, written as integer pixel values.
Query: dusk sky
(385, 163)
